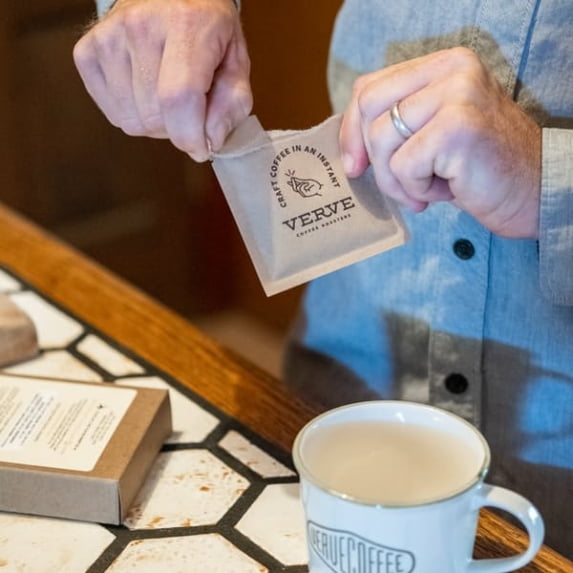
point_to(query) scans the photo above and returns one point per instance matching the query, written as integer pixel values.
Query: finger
(413, 163)
(95, 69)
(373, 94)
(230, 99)
(230, 102)
(397, 82)
(187, 70)
(384, 142)
(91, 73)
(145, 49)
(352, 144)
(111, 51)
(413, 167)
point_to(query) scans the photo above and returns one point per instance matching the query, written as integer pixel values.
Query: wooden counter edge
(239, 388)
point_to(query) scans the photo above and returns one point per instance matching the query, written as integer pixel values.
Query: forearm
(556, 217)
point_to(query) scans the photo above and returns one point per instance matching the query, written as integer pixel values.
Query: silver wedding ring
(398, 122)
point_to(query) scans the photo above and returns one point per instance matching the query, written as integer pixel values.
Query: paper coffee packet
(298, 213)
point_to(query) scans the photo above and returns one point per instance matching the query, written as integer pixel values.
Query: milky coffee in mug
(396, 487)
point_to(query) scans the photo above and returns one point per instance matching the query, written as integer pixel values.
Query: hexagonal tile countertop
(218, 498)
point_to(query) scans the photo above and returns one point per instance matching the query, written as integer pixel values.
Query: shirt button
(456, 383)
(464, 249)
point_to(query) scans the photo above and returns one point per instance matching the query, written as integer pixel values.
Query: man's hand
(175, 69)
(471, 143)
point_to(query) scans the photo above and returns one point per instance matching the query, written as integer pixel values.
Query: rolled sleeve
(556, 217)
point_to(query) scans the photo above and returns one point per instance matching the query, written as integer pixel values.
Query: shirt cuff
(556, 217)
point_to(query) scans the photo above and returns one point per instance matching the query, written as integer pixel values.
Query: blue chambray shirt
(485, 332)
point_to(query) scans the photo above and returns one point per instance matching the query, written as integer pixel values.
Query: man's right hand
(176, 69)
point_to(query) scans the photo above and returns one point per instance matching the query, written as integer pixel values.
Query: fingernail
(217, 135)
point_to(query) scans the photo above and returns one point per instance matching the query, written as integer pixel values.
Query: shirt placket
(456, 341)
(456, 338)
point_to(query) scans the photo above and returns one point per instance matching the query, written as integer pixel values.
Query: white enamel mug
(347, 534)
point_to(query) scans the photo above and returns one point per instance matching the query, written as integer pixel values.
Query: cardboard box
(77, 450)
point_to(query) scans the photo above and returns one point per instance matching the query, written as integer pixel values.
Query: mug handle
(495, 496)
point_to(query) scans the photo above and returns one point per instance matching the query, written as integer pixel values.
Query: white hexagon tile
(191, 554)
(275, 522)
(253, 457)
(108, 358)
(43, 545)
(186, 487)
(218, 499)
(55, 364)
(8, 283)
(191, 422)
(55, 328)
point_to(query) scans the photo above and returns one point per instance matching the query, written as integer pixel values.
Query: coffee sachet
(298, 213)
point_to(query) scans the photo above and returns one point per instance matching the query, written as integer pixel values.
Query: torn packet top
(298, 213)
